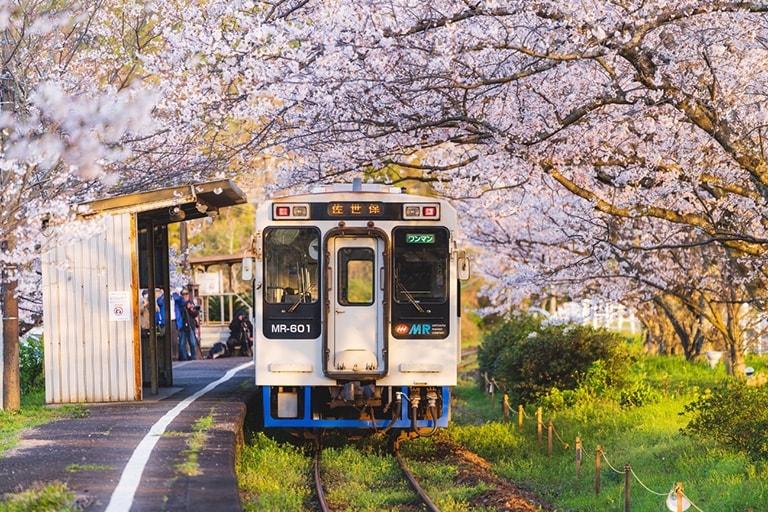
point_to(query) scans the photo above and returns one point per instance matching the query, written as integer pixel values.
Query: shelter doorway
(157, 341)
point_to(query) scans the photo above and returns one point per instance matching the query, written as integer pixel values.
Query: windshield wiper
(300, 299)
(410, 298)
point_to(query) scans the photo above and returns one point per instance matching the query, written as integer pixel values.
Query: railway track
(423, 496)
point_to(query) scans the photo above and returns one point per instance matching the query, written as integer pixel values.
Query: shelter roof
(173, 204)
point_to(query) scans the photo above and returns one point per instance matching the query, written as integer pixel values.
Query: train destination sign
(355, 209)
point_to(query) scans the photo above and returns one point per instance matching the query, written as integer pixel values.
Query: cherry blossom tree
(61, 130)
(568, 132)
(593, 147)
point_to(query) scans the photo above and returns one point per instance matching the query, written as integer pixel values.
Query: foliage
(529, 359)
(362, 482)
(638, 394)
(647, 436)
(273, 476)
(31, 374)
(33, 412)
(595, 152)
(734, 414)
(496, 342)
(42, 498)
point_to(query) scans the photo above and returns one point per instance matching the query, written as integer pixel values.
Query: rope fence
(675, 499)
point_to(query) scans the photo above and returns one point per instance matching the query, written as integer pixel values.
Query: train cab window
(356, 276)
(292, 270)
(421, 258)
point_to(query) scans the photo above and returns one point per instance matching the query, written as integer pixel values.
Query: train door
(355, 341)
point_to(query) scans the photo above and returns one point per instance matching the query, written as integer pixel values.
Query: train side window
(421, 259)
(291, 265)
(356, 276)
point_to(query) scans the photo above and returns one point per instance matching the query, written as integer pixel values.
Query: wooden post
(539, 424)
(627, 480)
(505, 406)
(679, 493)
(520, 418)
(578, 457)
(549, 439)
(597, 469)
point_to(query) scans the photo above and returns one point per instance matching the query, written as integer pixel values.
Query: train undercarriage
(357, 405)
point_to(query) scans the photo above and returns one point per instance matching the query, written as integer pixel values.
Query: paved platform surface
(126, 457)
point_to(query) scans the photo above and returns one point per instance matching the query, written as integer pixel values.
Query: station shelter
(94, 347)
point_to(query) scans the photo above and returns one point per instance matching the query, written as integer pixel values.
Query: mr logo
(421, 329)
(414, 329)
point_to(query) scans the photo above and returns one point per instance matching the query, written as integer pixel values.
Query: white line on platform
(122, 496)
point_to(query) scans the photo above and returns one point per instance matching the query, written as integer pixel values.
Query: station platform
(135, 457)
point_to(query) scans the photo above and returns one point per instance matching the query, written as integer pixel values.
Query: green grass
(647, 438)
(277, 476)
(32, 413)
(74, 468)
(195, 443)
(41, 498)
(363, 482)
(274, 476)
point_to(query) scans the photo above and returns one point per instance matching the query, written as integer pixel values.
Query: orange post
(505, 407)
(597, 468)
(549, 439)
(627, 480)
(520, 418)
(539, 424)
(578, 457)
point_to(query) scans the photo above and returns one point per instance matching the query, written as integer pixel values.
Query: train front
(356, 310)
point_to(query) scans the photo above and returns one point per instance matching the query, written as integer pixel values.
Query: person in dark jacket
(240, 333)
(186, 321)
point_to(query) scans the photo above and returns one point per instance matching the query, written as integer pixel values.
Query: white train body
(356, 300)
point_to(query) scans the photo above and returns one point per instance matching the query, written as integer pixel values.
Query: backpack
(218, 349)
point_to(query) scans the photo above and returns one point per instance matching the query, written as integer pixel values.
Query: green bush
(735, 415)
(31, 377)
(529, 359)
(638, 394)
(496, 343)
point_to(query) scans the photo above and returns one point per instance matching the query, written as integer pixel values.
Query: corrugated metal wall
(91, 354)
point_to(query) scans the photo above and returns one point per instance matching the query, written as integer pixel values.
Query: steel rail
(407, 472)
(319, 484)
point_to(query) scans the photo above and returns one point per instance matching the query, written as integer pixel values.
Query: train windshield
(421, 257)
(292, 270)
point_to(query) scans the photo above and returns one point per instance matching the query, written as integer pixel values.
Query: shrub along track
(472, 471)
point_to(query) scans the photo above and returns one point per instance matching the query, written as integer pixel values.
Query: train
(356, 291)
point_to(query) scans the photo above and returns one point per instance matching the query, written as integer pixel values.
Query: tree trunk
(11, 382)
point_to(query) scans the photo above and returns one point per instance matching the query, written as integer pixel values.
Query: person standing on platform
(186, 320)
(160, 311)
